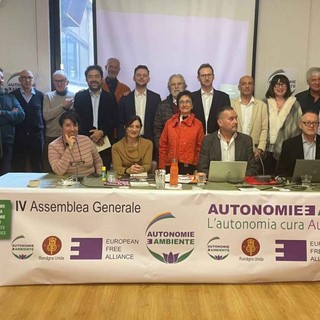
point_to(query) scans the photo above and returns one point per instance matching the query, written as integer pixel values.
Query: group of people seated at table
(192, 128)
(182, 139)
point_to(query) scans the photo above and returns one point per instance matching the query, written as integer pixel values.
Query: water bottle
(174, 173)
(104, 174)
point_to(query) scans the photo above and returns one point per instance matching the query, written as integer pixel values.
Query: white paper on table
(139, 175)
(106, 144)
(178, 187)
(181, 178)
(139, 184)
(248, 189)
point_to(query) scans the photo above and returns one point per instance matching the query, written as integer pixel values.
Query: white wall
(25, 39)
(288, 38)
(288, 34)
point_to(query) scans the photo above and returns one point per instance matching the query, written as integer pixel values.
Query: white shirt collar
(220, 136)
(94, 94)
(136, 93)
(306, 141)
(250, 102)
(208, 93)
(32, 91)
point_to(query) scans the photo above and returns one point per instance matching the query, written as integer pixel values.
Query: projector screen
(177, 37)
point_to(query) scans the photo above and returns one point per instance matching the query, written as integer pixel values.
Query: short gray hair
(312, 71)
(60, 73)
(179, 76)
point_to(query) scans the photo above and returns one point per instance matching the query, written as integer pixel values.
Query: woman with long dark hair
(284, 113)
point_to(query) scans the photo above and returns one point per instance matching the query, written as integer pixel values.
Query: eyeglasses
(209, 75)
(279, 85)
(310, 124)
(26, 78)
(74, 163)
(60, 81)
(176, 84)
(185, 102)
(77, 163)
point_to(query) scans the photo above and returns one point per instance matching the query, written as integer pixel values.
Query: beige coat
(259, 122)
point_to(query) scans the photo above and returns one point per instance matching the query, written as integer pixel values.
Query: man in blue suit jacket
(304, 146)
(207, 100)
(227, 144)
(98, 111)
(141, 102)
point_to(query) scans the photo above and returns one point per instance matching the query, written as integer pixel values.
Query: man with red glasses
(304, 146)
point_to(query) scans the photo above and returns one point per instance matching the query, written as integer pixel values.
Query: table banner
(173, 236)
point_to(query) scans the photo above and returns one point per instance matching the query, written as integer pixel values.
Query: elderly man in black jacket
(304, 146)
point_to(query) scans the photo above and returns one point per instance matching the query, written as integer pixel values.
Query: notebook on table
(303, 166)
(227, 171)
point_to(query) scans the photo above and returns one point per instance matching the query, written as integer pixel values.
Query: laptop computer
(227, 171)
(303, 166)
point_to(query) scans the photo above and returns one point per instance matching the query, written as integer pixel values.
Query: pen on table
(267, 188)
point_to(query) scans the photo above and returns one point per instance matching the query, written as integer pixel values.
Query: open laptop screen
(227, 171)
(303, 166)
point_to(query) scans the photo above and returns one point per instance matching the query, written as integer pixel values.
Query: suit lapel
(146, 113)
(299, 144)
(237, 147)
(317, 147)
(100, 108)
(237, 109)
(200, 110)
(216, 147)
(89, 107)
(132, 103)
(254, 115)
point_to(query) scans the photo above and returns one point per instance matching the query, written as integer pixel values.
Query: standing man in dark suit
(208, 100)
(98, 111)
(304, 146)
(141, 102)
(227, 144)
(29, 138)
(310, 99)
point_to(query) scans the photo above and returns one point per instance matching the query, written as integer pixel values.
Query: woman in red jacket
(181, 137)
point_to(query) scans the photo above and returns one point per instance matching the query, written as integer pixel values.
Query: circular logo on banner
(217, 250)
(51, 245)
(21, 249)
(167, 241)
(250, 247)
(13, 82)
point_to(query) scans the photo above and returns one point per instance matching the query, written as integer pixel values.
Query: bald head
(112, 67)
(246, 78)
(246, 86)
(25, 73)
(113, 60)
(26, 80)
